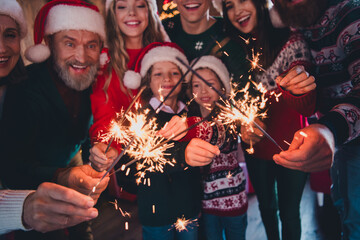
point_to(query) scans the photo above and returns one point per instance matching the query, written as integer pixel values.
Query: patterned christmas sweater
(286, 115)
(335, 47)
(213, 41)
(224, 180)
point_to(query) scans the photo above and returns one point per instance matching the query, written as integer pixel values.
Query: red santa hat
(151, 54)
(12, 9)
(59, 15)
(217, 66)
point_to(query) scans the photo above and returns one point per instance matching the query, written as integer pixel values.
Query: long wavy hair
(269, 40)
(116, 43)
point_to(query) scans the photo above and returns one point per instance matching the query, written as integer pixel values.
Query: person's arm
(11, 209)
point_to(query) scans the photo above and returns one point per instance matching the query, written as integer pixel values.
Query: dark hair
(269, 40)
(17, 75)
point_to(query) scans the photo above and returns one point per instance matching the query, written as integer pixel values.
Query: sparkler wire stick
(231, 102)
(183, 77)
(113, 164)
(123, 116)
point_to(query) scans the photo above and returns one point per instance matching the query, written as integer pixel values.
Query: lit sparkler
(255, 61)
(182, 223)
(232, 103)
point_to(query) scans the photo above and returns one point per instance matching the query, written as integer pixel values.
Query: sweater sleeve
(344, 118)
(11, 208)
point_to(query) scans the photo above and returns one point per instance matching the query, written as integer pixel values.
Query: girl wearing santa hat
(130, 26)
(285, 56)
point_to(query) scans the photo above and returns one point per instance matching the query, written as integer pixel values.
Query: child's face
(242, 14)
(193, 11)
(203, 94)
(132, 17)
(164, 76)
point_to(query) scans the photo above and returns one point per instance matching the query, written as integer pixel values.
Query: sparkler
(231, 102)
(182, 224)
(255, 61)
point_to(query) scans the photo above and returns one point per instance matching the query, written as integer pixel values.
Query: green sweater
(174, 193)
(231, 53)
(38, 134)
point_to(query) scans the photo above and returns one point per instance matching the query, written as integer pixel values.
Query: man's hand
(99, 160)
(200, 153)
(83, 179)
(54, 207)
(175, 126)
(311, 150)
(250, 133)
(297, 81)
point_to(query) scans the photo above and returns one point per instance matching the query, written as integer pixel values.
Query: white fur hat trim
(162, 54)
(12, 9)
(275, 18)
(216, 65)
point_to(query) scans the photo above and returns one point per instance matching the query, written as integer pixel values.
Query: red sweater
(285, 117)
(105, 111)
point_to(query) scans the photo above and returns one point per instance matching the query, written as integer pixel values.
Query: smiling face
(76, 56)
(9, 45)
(193, 11)
(164, 76)
(132, 18)
(202, 93)
(242, 14)
(300, 13)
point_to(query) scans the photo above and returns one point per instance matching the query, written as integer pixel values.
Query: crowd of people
(87, 68)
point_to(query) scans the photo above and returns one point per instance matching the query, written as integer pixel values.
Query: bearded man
(331, 29)
(46, 118)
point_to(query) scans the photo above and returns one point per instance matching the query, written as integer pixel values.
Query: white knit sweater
(11, 207)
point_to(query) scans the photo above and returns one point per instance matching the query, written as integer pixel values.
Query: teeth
(192, 5)
(4, 59)
(78, 66)
(132, 23)
(244, 18)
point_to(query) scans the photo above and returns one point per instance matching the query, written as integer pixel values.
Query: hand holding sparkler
(101, 156)
(297, 81)
(200, 153)
(311, 150)
(175, 127)
(251, 134)
(82, 179)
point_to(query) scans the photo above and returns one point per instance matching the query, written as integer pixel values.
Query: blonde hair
(116, 43)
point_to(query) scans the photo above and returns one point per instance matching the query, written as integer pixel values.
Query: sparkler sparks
(255, 61)
(182, 223)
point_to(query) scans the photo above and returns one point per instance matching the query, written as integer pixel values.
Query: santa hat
(151, 54)
(12, 9)
(217, 66)
(217, 4)
(59, 15)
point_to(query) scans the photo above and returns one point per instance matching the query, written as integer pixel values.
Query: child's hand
(200, 153)
(297, 81)
(99, 160)
(175, 126)
(250, 133)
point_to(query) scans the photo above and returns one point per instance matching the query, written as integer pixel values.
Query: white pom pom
(104, 59)
(132, 79)
(37, 53)
(275, 18)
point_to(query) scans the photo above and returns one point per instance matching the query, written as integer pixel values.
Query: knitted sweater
(11, 209)
(174, 193)
(284, 117)
(104, 110)
(224, 180)
(38, 133)
(335, 47)
(194, 46)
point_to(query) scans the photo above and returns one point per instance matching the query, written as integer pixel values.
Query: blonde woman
(130, 26)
